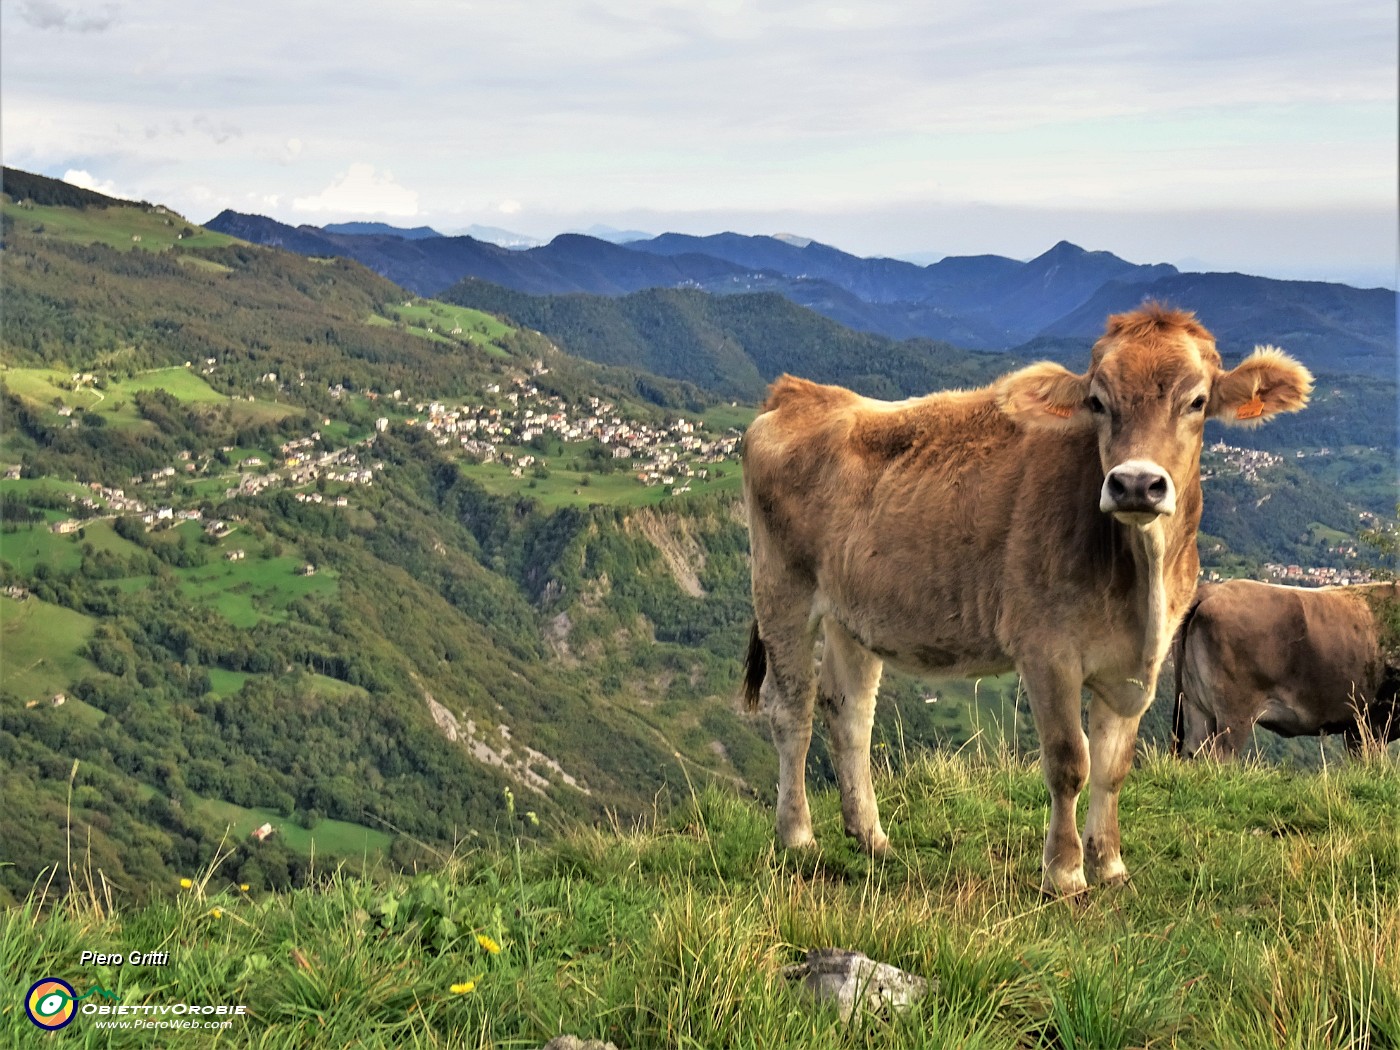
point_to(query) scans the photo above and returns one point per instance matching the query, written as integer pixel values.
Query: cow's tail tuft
(1178, 673)
(755, 668)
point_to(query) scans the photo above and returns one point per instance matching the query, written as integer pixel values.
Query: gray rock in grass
(854, 981)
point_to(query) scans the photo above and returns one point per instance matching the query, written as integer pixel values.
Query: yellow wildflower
(186, 883)
(487, 943)
(464, 987)
(218, 913)
(243, 887)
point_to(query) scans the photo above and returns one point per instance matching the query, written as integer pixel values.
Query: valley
(300, 547)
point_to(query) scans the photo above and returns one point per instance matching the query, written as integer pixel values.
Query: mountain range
(982, 302)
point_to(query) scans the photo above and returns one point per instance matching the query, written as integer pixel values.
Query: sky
(1251, 135)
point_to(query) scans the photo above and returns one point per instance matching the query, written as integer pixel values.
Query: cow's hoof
(877, 845)
(1114, 873)
(799, 840)
(1064, 884)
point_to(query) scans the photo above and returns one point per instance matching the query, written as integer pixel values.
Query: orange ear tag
(1064, 412)
(1251, 409)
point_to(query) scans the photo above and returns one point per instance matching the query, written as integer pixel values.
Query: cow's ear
(1045, 394)
(1264, 384)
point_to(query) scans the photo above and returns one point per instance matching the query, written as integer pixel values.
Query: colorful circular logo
(50, 1003)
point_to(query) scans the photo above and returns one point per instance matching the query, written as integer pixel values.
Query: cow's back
(910, 519)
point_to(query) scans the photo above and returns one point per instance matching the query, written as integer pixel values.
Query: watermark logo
(52, 1004)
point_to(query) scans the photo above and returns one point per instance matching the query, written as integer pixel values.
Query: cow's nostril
(1157, 490)
(1116, 488)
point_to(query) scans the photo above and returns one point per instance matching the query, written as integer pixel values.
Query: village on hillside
(671, 455)
(496, 427)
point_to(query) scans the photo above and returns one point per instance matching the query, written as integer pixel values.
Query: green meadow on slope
(1262, 912)
(233, 628)
(297, 588)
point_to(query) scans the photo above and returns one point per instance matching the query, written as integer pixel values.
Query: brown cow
(1294, 660)
(1046, 523)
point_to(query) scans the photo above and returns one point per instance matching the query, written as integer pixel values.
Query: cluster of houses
(302, 466)
(1230, 460)
(1316, 576)
(664, 454)
(342, 464)
(318, 498)
(114, 501)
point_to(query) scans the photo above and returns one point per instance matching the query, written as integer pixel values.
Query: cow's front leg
(1113, 721)
(1054, 693)
(850, 680)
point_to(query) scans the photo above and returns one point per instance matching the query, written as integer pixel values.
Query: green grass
(433, 320)
(181, 383)
(245, 592)
(721, 418)
(41, 386)
(566, 488)
(1264, 911)
(254, 589)
(227, 683)
(32, 486)
(45, 384)
(100, 534)
(338, 838)
(40, 645)
(115, 227)
(1320, 533)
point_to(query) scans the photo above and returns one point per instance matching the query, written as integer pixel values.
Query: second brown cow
(1296, 661)
(1046, 524)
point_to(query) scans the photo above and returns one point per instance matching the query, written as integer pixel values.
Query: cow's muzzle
(1137, 491)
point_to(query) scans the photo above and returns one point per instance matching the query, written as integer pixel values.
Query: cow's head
(1154, 379)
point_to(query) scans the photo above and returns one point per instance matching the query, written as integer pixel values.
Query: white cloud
(824, 107)
(362, 191)
(85, 181)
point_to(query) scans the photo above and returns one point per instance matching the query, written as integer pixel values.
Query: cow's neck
(1157, 550)
(1149, 547)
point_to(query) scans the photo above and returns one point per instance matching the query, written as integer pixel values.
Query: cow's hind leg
(850, 679)
(1064, 759)
(1199, 728)
(791, 689)
(1230, 736)
(1113, 724)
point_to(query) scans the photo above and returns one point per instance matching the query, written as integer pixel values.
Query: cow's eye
(1199, 404)
(1095, 405)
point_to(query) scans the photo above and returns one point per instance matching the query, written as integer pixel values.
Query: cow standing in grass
(1046, 524)
(1296, 661)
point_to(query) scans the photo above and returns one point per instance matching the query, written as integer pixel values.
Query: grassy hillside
(124, 227)
(1262, 913)
(367, 559)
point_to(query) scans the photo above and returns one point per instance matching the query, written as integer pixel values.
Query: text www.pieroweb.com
(167, 1024)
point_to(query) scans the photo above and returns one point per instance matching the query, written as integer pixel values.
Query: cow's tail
(755, 668)
(1178, 675)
